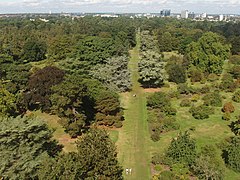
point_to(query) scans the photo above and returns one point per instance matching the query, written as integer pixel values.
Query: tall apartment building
(165, 12)
(184, 14)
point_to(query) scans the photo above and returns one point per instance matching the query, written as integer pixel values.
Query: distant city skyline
(120, 6)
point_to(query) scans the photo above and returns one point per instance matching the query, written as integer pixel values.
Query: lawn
(134, 138)
(59, 134)
(208, 131)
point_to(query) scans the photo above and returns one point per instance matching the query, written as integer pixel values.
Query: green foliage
(67, 100)
(236, 97)
(158, 100)
(81, 102)
(195, 74)
(95, 50)
(96, 159)
(15, 76)
(228, 107)
(114, 74)
(182, 149)
(157, 159)
(235, 59)
(98, 156)
(24, 143)
(39, 87)
(227, 83)
(166, 175)
(231, 154)
(161, 115)
(151, 69)
(161, 101)
(208, 165)
(151, 66)
(34, 50)
(235, 127)
(235, 71)
(65, 166)
(183, 88)
(226, 116)
(235, 44)
(213, 99)
(185, 103)
(166, 42)
(61, 47)
(176, 73)
(180, 171)
(201, 112)
(162, 125)
(7, 102)
(108, 111)
(148, 41)
(157, 167)
(208, 53)
(212, 77)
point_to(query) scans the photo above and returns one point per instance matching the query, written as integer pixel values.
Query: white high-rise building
(184, 14)
(204, 15)
(221, 17)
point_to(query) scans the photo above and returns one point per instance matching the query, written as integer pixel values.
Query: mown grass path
(134, 137)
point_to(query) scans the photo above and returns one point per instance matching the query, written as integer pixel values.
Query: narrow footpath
(134, 138)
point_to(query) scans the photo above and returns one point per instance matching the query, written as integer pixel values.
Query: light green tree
(208, 53)
(7, 101)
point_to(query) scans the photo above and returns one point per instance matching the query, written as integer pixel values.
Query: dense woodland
(77, 69)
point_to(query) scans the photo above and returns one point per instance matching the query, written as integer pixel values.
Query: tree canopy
(182, 149)
(208, 53)
(24, 143)
(96, 158)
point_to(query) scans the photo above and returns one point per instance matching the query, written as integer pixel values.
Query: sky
(120, 6)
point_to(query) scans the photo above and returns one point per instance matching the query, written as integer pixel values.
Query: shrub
(213, 99)
(212, 77)
(164, 125)
(185, 103)
(231, 154)
(195, 98)
(176, 73)
(226, 116)
(235, 127)
(118, 124)
(235, 71)
(180, 171)
(183, 88)
(168, 110)
(201, 112)
(203, 80)
(158, 100)
(174, 94)
(157, 159)
(155, 137)
(166, 175)
(166, 85)
(158, 167)
(209, 165)
(182, 149)
(236, 97)
(204, 89)
(227, 83)
(235, 59)
(195, 75)
(228, 108)
(161, 101)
